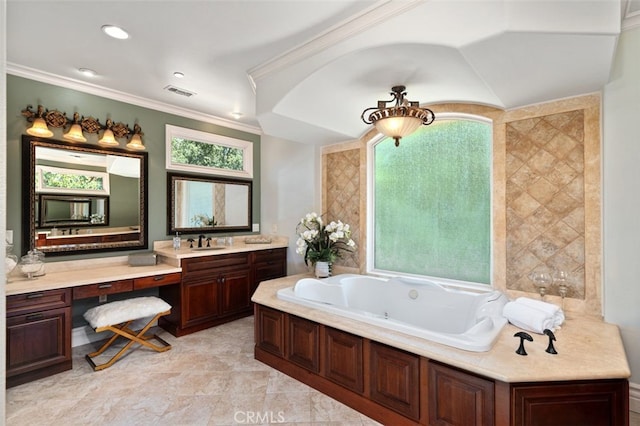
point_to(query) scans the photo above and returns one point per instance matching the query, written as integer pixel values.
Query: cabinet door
(200, 300)
(575, 403)
(269, 330)
(343, 359)
(269, 264)
(459, 398)
(303, 343)
(395, 379)
(38, 340)
(236, 292)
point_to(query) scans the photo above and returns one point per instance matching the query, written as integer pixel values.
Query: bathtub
(462, 319)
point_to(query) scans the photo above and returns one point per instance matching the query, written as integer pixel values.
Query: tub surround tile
(583, 344)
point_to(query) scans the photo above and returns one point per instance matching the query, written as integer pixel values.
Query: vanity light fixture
(108, 137)
(115, 32)
(43, 118)
(398, 120)
(136, 139)
(75, 132)
(39, 127)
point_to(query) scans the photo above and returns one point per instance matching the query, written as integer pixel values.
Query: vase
(323, 269)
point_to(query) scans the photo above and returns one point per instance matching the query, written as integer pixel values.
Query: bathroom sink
(208, 248)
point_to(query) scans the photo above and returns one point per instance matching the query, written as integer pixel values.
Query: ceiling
(304, 70)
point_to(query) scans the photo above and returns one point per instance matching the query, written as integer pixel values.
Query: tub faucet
(200, 238)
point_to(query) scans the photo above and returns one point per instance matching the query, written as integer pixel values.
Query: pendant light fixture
(399, 120)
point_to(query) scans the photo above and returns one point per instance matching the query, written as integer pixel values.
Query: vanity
(205, 288)
(398, 379)
(218, 282)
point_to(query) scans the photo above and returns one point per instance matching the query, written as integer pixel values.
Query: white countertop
(169, 255)
(587, 348)
(82, 272)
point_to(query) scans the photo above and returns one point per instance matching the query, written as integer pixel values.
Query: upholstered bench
(118, 316)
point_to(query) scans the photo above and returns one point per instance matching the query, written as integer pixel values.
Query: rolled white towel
(533, 315)
(557, 316)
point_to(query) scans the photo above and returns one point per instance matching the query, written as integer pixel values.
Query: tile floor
(207, 378)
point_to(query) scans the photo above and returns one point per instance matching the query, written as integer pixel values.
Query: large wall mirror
(80, 198)
(197, 204)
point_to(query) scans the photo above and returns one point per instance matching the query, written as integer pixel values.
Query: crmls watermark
(258, 417)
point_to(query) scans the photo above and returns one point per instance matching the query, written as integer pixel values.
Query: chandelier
(399, 120)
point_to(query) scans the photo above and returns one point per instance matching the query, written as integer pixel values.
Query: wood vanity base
(396, 387)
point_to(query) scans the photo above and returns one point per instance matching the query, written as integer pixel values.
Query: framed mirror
(81, 198)
(205, 204)
(69, 210)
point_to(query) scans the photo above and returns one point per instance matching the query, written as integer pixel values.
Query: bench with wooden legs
(118, 316)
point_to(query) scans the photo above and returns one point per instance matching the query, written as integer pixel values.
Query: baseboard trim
(634, 397)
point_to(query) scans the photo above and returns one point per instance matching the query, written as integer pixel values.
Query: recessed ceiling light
(115, 32)
(178, 74)
(236, 114)
(88, 72)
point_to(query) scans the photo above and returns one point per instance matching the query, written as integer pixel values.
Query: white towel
(533, 315)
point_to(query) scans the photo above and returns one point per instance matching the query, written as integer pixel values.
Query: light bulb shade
(39, 128)
(108, 138)
(136, 142)
(398, 127)
(75, 134)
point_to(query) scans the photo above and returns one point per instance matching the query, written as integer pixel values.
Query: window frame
(41, 188)
(370, 203)
(210, 138)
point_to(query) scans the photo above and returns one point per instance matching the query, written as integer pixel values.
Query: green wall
(22, 92)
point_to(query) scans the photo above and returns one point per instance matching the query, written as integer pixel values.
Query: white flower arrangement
(318, 242)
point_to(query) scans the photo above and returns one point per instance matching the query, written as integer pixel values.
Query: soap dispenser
(176, 242)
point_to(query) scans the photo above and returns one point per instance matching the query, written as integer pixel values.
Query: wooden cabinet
(218, 288)
(269, 334)
(459, 398)
(95, 290)
(395, 380)
(38, 335)
(303, 343)
(602, 402)
(396, 387)
(267, 265)
(344, 359)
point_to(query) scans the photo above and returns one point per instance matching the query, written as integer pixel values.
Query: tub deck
(582, 343)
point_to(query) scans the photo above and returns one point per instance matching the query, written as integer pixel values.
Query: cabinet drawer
(156, 281)
(95, 290)
(204, 265)
(38, 301)
(270, 255)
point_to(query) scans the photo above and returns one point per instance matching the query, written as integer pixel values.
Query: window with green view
(432, 202)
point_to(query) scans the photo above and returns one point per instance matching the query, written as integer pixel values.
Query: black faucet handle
(550, 349)
(190, 240)
(208, 241)
(523, 336)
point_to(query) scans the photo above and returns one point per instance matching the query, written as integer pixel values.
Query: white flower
(351, 243)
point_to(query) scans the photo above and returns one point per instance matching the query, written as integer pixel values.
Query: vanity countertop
(587, 348)
(82, 272)
(165, 249)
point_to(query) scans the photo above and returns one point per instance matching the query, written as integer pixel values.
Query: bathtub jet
(459, 318)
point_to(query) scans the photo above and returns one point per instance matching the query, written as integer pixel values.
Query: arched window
(429, 206)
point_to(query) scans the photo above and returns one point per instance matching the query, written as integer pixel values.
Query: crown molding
(368, 18)
(94, 89)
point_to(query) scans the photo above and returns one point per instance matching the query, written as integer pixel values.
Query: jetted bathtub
(459, 318)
